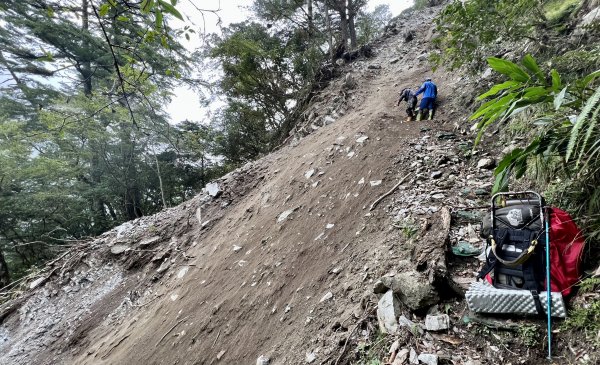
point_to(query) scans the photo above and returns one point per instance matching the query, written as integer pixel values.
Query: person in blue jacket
(429, 91)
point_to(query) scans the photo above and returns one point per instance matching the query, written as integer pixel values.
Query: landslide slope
(285, 254)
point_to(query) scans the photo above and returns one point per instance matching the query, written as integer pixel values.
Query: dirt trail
(287, 250)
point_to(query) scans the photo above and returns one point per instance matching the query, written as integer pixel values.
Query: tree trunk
(86, 66)
(343, 22)
(160, 182)
(329, 32)
(351, 27)
(4, 274)
(311, 30)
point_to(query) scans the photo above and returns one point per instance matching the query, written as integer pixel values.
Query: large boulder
(413, 289)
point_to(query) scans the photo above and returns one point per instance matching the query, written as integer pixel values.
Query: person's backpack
(517, 255)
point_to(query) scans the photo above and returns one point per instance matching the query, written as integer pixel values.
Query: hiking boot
(430, 115)
(419, 116)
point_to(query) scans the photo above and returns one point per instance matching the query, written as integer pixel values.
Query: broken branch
(378, 200)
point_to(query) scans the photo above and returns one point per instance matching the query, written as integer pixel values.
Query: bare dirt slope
(283, 257)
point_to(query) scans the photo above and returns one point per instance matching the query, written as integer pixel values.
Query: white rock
(236, 248)
(34, 284)
(118, 249)
(309, 173)
(388, 310)
(328, 120)
(375, 182)
(486, 163)
(394, 348)
(361, 181)
(413, 357)
(437, 323)
(329, 225)
(263, 360)
(283, 216)
(182, 272)
(428, 359)
(350, 154)
(213, 189)
(362, 139)
(326, 297)
(310, 357)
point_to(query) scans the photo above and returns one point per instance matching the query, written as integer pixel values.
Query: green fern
(592, 105)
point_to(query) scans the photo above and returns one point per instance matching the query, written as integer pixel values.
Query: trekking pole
(548, 287)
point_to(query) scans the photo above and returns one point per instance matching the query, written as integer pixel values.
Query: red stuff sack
(566, 250)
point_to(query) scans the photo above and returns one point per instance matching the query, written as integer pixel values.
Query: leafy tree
(472, 30)
(370, 25)
(83, 143)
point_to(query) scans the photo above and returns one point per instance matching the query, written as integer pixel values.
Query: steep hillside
(279, 258)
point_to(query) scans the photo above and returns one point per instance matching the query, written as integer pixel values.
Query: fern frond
(580, 121)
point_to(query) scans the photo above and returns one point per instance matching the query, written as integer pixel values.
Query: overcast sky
(185, 104)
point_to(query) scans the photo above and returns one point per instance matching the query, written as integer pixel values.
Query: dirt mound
(278, 258)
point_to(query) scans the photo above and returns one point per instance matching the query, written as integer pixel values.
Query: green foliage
(473, 29)
(529, 334)
(552, 102)
(370, 25)
(585, 316)
(557, 10)
(72, 163)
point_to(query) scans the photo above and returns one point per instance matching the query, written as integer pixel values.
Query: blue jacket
(429, 88)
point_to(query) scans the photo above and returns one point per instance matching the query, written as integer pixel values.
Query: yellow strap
(519, 260)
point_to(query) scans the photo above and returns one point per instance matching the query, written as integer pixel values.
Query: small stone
(283, 216)
(428, 359)
(326, 297)
(436, 174)
(213, 189)
(182, 272)
(328, 120)
(379, 287)
(394, 348)
(263, 360)
(149, 241)
(362, 139)
(309, 173)
(361, 181)
(486, 164)
(413, 357)
(310, 357)
(395, 60)
(414, 328)
(237, 248)
(329, 225)
(220, 354)
(437, 323)
(118, 249)
(401, 357)
(375, 182)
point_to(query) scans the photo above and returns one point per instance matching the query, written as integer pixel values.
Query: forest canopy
(85, 142)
